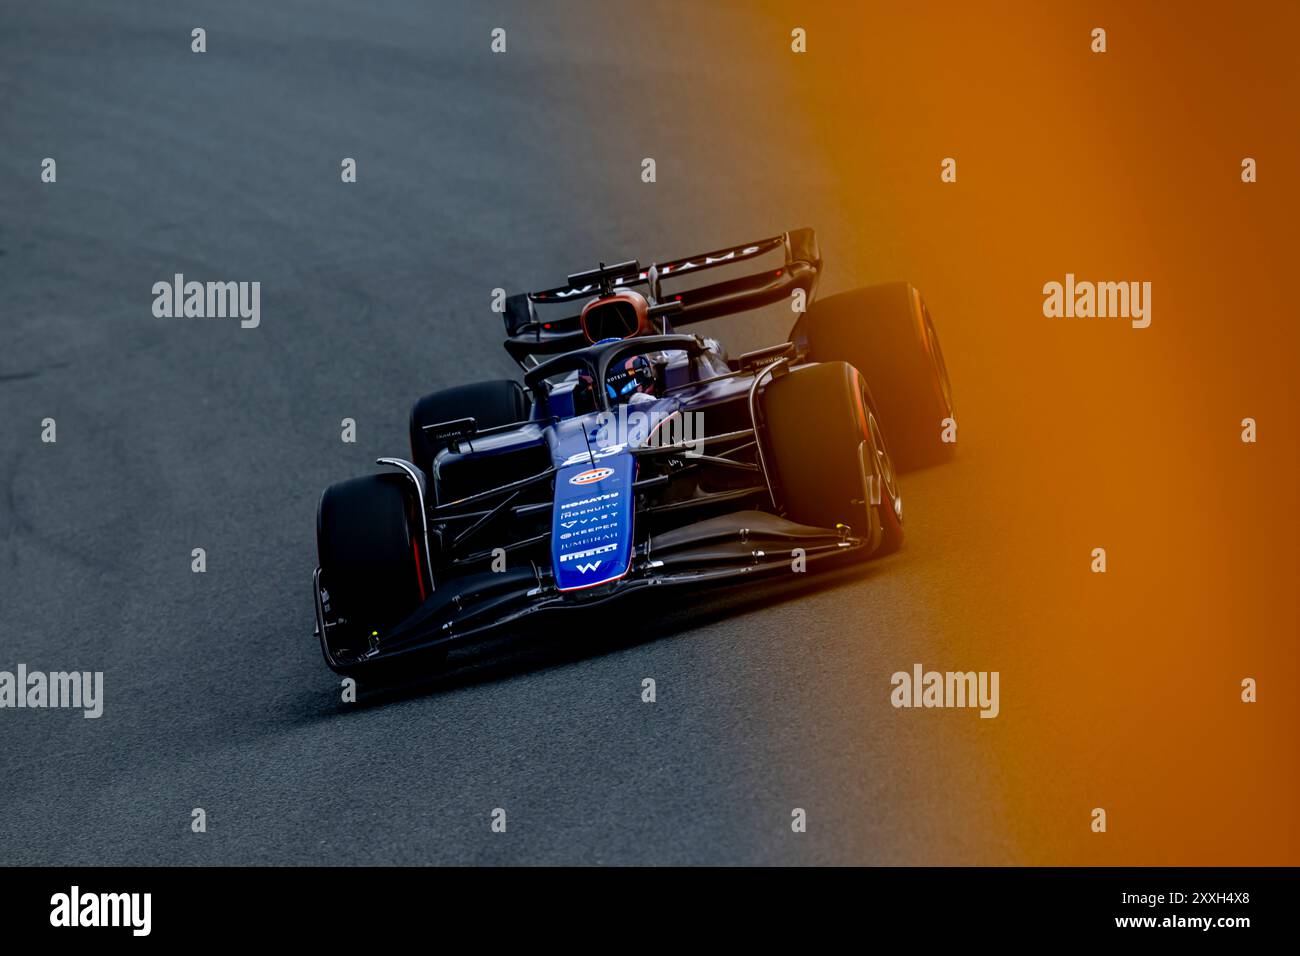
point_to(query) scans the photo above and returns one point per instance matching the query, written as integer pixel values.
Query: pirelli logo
(590, 552)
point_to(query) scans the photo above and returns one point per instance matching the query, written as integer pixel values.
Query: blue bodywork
(591, 533)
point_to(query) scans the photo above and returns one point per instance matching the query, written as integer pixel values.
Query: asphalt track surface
(475, 171)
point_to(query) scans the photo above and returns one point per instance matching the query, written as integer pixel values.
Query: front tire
(885, 331)
(370, 556)
(825, 452)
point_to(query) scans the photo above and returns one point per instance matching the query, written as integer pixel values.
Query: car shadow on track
(588, 635)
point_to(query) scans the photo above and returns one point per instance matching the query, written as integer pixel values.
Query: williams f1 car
(633, 457)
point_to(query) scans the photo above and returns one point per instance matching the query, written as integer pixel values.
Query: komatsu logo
(607, 496)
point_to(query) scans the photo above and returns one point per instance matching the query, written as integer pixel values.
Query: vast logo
(591, 476)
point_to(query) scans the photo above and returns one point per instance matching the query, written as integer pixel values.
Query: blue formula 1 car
(634, 457)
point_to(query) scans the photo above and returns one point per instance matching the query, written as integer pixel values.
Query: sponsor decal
(589, 552)
(744, 252)
(591, 476)
(608, 496)
(591, 540)
(604, 451)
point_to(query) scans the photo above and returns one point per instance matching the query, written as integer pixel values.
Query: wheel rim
(884, 465)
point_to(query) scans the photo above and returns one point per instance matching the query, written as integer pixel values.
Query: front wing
(728, 550)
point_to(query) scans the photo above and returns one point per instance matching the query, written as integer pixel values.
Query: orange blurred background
(1119, 690)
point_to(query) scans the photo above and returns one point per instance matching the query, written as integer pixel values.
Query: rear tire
(885, 331)
(370, 556)
(490, 404)
(826, 454)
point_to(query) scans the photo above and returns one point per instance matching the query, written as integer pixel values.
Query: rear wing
(800, 270)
